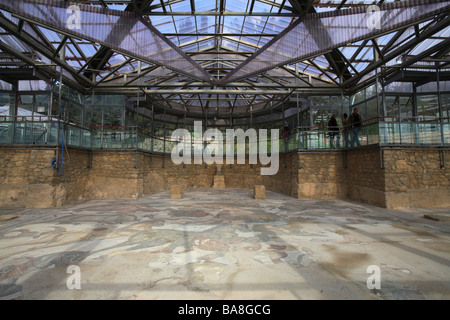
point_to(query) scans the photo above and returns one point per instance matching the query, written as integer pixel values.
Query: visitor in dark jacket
(333, 131)
(346, 130)
(356, 121)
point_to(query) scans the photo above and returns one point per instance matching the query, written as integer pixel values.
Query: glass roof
(219, 36)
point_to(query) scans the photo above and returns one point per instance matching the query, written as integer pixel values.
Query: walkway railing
(383, 131)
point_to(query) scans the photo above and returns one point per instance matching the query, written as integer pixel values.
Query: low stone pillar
(176, 192)
(260, 192)
(219, 179)
(219, 182)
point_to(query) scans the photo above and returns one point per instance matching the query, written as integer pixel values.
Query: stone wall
(416, 178)
(70, 187)
(115, 175)
(365, 179)
(287, 178)
(322, 175)
(28, 179)
(160, 174)
(409, 178)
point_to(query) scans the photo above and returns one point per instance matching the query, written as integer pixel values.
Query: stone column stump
(176, 192)
(219, 182)
(219, 179)
(260, 192)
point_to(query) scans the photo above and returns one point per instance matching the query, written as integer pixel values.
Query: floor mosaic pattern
(222, 244)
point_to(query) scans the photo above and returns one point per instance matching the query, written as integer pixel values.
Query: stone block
(219, 182)
(176, 192)
(260, 192)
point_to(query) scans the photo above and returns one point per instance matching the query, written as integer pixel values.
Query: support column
(382, 112)
(13, 108)
(438, 84)
(415, 115)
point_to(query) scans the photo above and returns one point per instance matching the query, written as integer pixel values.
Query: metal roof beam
(405, 47)
(413, 12)
(43, 49)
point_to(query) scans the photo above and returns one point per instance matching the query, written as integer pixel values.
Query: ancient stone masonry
(364, 177)
(115, 175)
(416, 179)
(159, 173)
(390, 178)
(259, 193)
(29, 178)
(176, 192)
(322, 175)
(26, 177)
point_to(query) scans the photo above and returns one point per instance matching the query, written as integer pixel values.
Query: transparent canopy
(221, 57)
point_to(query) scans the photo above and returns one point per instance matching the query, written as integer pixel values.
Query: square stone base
(176, 192)
(219, 182)
(260, 192)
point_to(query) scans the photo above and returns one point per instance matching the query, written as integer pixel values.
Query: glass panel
(320, 101)
(371, 109)
(145, 141)
(130, 139)
(391, 107)
(72, 112)
(158, 145)
(86, 139)
(360, 96)
(427, 106)
(39, 133)
(97, 117)
(406, 108)
(372, 133)
(41, 106)
(445, 101)
(112, 117)
(407, 135)
(430, 133)
(112, 140)
(446, 131)
(114, 100)
(73, 136)
(5, 108)
(52, 137)
(412, 133)
(6, 133)
(96, 139)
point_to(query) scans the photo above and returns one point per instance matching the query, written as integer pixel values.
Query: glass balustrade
(378, 131)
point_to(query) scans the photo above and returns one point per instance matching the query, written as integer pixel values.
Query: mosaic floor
(222, 244)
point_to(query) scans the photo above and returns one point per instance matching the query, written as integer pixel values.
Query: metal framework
(204, 47)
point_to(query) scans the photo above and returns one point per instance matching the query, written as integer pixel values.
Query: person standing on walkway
(333, 131)
(346, 130)
(356, 122)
